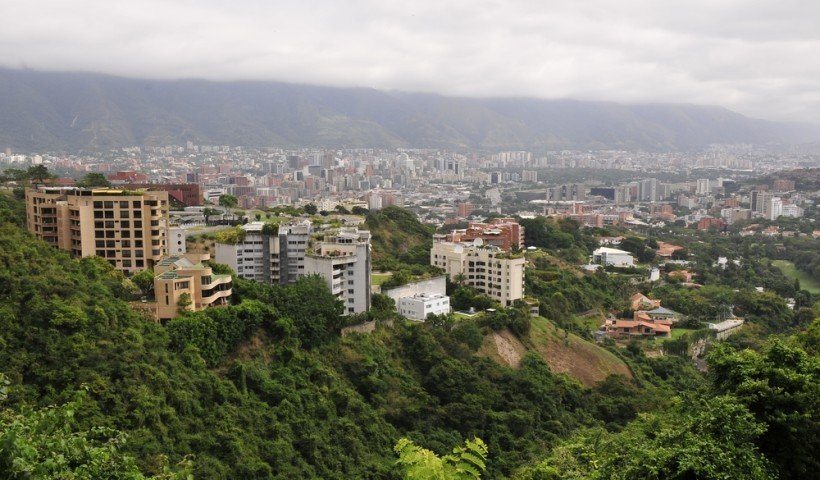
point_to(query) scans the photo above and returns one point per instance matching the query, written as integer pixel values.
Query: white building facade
(419, 306)
(488, 269)
(613, 257)
(343, 260)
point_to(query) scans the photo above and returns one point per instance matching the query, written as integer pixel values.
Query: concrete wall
(431, 286)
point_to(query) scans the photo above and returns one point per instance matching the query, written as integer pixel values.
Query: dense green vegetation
(807, 281)
(267, 388)
(400, 241)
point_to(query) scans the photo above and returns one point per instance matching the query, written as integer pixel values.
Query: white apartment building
(792, 210)
(247, 256)
(343, 260)
(772, 208)
(341, 257)
(420, 305)
(613, 257)
(268, 256)
(488, 269)
(703, 186)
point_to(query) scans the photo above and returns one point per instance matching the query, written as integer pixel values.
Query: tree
(310, 209)
(93, 179)
(342, 210)
(208, 212)
(144, 280)
(467, 462)
(781, 387)
(357, 210)
(707, 438)
(38, 173)
(227, 202)
(48, 443)
(184, 302)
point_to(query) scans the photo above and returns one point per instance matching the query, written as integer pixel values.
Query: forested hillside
(73, 110)
(267, 388)
(398, 237)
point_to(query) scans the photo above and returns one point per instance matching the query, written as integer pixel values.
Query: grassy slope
(395, 231)
(572, 355)
(806, 281)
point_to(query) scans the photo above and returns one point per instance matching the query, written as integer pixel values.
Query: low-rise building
(726, 328)
(504, 233)
(419, 306)
(180, 275)
(613, 257)
(619, 328)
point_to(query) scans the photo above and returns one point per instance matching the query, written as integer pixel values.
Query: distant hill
(74, 111)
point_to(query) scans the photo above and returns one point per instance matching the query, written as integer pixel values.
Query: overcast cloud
(761, 58)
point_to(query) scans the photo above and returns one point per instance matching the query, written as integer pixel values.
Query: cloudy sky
(758, 57)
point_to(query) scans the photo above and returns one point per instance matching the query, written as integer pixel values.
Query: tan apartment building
(129, 228)
(186, 274)
(487, 268)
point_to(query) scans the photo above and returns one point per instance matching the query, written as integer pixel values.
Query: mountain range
(73, 111)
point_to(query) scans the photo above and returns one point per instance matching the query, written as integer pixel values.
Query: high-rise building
(703, 187)
(127, 228)
(488, 269)
(530, 176)
(343, 260)
(759, 199)
(772, 208)
(648, 190)
(782, 185)
(282, 256)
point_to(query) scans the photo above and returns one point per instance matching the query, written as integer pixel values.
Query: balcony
(216, 296)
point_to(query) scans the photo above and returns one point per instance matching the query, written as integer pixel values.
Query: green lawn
(679, 332)
(379, 278)
(807, 282)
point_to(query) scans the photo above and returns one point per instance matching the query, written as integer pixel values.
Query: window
(123, 204)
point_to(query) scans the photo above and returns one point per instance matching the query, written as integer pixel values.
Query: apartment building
(268, 255)
(186, 274)
(487, 268)
(343, 260)
(127, 228)
(283, 255)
